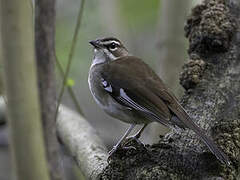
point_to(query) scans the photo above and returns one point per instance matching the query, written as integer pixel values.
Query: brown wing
(133, 90)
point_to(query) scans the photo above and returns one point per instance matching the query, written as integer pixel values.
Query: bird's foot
(129, 147)
(113, 150)
(134, 141)
(126, 145)
(133, 138)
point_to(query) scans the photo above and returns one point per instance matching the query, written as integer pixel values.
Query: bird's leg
(122, 139)
(136, 136)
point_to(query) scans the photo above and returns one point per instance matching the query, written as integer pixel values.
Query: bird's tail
(186, 121)
(211, 145)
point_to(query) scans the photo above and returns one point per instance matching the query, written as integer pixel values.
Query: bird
(126, 88)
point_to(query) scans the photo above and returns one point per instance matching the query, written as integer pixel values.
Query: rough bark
(45, 54)
(212, 81)
(19, 66)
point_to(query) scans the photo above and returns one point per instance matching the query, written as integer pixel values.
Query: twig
(70, 90)
(72, 49)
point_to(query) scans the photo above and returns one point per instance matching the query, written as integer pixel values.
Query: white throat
(100, 56)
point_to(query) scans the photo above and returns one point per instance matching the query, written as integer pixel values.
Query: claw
(129, 147)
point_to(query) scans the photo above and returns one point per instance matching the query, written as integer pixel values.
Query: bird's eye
(113, 46)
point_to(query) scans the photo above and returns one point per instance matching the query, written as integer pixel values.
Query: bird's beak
(95, 43)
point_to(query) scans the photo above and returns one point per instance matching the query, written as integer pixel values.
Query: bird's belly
(111, 107)
(118, 111)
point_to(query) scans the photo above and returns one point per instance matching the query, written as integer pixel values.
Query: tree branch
(80, 139)
(45, 55)
(83, 142)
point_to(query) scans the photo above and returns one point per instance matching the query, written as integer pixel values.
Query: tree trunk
(212, 81)
(45, 53)
(22, 94)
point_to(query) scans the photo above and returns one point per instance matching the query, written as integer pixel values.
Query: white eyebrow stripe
(111, 41)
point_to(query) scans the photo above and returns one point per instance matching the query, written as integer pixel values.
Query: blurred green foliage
(139, 13)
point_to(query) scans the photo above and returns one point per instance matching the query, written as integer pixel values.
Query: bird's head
(108, 49)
